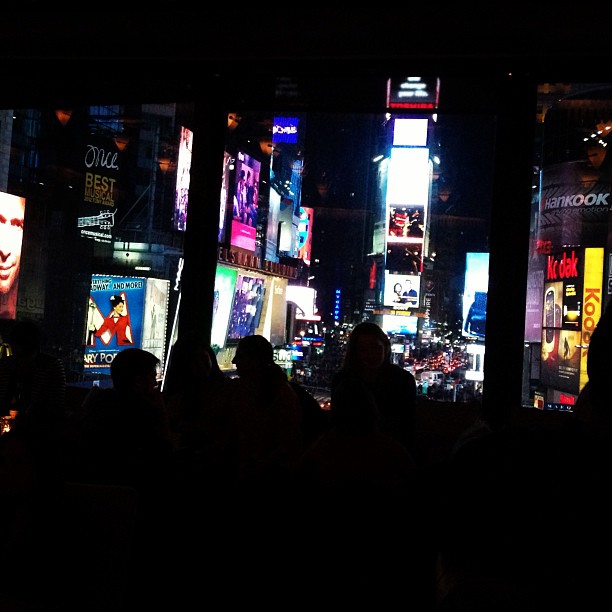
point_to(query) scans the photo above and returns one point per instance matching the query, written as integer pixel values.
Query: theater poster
(115, 315)
(101, 164)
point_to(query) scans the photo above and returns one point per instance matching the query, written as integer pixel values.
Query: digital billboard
(408, 182)
(305, 300)
(225, 285)
(405, 223)
(183, 172)
(404, 258)
(407, 196)
(245, 313)
(305, 234)
(413, 92)
(245, 202)
(12, 214)
(572, 307)
(285, 129)
(399, 324)
(475, 289)
(225, 191)
(401, 291)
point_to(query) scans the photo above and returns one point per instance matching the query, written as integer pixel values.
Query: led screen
(244, 209)
(305, 234)
(399, 324)
(12, 213)
(225, 284)
(410, 132)
(475, 294)
(405, 223)
(402, 291)
(409, 176)
(183, 170)
(246, 309)
(305, 300)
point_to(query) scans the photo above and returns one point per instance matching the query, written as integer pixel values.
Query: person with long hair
(368, 359)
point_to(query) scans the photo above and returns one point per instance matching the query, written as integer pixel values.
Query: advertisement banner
(562, 320)
(245, 202)
(183, 173)
(155, 321)
(114, 319)
(305, 234)
(225, 285)
(100, 168)
(246, 310)
(574, 204)
(405, 224)
(401, 291)
(12, 213)
(592, 302)
(475, 295)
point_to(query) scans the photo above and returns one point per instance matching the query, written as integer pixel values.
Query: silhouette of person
(353, 456)
(32, 382)
(368, 358)
(124, 433)
(194, 390)
(267, 414)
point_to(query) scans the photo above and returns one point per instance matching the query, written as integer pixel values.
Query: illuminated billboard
(305, 300)
(401, 291)
(399, 324)
(124, 312)
(225, 285)
(245, 202)
(305, 234)
(100, 199)
(245, 314)
(405, 224)
(475, 290)
(407, 201)
(285, 129)
(403, 258)
(572, 307)
(413, 92)
(408, 182)
(183, 171)
(12, 213)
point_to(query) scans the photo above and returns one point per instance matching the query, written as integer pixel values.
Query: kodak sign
(591, 300)
(559, 268)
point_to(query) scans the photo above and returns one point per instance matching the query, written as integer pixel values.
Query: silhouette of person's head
(134, 370)
(253, 354)
(368, 347)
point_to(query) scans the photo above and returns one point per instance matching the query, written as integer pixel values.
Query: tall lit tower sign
(406, 209)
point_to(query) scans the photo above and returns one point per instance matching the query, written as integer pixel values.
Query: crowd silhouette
(244, 488)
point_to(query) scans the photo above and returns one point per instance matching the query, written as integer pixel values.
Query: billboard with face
(12, 213)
